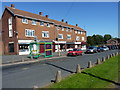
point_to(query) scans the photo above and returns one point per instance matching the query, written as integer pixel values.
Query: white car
(105, 48)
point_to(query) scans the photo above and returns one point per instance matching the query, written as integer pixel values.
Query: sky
(95, 17)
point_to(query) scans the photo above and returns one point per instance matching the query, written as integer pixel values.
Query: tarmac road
(41, 74)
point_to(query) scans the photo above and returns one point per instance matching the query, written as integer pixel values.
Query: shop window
(23, 47)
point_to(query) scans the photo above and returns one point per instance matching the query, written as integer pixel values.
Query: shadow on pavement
(60, 67)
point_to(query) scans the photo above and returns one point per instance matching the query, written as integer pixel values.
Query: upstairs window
(81, 32)
(58, 28)
(60, 36)
(24, 20)
(33, 22)
(62, 28)
(48, 25)
(10, 27)
(69, 37)
(77, 38)
(70, 29)
(42, 23)
(78, 32)
(83, 38)
(29, 33)
(45, 34)
(67, 29)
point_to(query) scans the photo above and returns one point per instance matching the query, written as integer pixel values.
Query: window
(82, 38)
(68, 36)
(60, 36)
(78, 32)
(10, 27)
(33, 22)
(67, 29)
(11, 47)
(70, 29)
(58, 28)
(42, 23)
(81, 32)
(29, 33)
(45, 34)
(48, 25)
(24, 20)
(77, 38)
(62, 28)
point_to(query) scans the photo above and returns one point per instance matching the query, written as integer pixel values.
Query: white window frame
(26, 20)
(81, 32)
(66, 29)
(83, 38)
(48, 24)
(29, 33)
(62, 28)
(34, 22)
(45, 32)
(61, 35)
(68, 36)
(76, 31)
(10, 27)
(41, 24)
(58, 28)
(70, 29)
(77, 38)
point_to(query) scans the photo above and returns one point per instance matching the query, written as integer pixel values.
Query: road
(42, 73)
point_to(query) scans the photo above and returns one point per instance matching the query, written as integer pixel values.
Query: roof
(17, 12)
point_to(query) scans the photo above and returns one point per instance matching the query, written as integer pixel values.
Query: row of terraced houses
(19, 28)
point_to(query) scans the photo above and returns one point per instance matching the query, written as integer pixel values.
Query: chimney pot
(62, 20)
(40, 13)
(46, 16)
(66, 22)
(12, 5)
(76, 24)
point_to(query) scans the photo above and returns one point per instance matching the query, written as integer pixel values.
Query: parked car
(105, 48)
(91, 49)
(100, 49)
(75, 52)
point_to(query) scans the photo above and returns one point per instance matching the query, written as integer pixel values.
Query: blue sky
(95, 17)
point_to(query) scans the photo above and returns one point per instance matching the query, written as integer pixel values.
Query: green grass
(108, 70)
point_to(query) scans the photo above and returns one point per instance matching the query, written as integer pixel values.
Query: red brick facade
(19, 29)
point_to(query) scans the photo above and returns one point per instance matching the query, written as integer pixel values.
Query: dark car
(91, 49)
(75, 52)
(100, 49)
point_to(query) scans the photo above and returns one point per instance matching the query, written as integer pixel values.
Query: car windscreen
(90, 48)
(74, 49)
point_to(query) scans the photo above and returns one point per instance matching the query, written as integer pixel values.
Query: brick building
(19, 28)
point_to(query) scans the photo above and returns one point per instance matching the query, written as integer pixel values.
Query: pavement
(42, 73)
(8, 59)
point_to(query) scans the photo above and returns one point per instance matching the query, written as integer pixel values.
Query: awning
(83, 43)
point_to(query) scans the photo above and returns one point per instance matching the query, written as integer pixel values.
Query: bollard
(103, 59)
(113, 54)
(78, 69)
(22, 59)
(58, 77)
(89, 64)
(98, 61)
(31, 57)
(108, 57)
(35, 87)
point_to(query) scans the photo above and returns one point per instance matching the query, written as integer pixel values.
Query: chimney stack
(12, 5)
(62, 20)
(46, 16)
(40, 13)
(76, 24)
(66, 22)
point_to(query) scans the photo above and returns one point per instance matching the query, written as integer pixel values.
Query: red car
(75, 52)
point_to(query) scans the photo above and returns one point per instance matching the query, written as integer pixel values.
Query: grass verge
(100, 76)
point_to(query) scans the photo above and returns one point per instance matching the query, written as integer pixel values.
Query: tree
(90, 41)
(107, 37)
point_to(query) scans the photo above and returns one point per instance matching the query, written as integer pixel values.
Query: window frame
(44, 35)
(31, 32)
(60, 34)
(34, 23)
(41, 24)
(69, 38)
(26, 20)
(76, 38)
